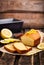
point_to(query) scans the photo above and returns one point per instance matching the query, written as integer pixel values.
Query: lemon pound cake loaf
(31, 38)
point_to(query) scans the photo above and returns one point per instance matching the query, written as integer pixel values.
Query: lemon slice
(41, 46)
(4, 42)
(6, 33)
(12, 40)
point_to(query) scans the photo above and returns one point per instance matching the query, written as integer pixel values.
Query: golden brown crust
(12, 49)
(36, 42)
(20, 50)
(34, 36)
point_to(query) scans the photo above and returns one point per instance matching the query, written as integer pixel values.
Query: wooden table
(30, 53)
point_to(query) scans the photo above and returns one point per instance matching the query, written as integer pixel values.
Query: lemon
(6, 33)
(4, 42)
(9, 40)
(41, 46)
(12, 40)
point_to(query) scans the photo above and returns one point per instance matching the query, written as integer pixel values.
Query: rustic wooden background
(30, 11)
(28, 5)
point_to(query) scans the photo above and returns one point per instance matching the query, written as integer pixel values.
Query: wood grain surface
(28, 5)
(31, 20)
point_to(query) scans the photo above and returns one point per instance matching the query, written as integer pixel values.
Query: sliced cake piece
(29, 48)
(31, 38)
(10, 48)
(20, 47)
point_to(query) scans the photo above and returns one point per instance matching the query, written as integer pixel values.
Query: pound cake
(21, 48)
(10, 48)
(31, 38)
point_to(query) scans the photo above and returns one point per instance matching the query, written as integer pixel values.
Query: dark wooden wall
(30, 11)
(27, 5)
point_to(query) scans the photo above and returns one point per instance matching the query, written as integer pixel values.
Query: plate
(31, 52)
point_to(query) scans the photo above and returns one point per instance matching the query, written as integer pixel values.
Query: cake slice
(29, 48)
(10, 48)
(20, 47)
(31, 38)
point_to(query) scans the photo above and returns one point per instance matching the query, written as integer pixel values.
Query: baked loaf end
(31, 38)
